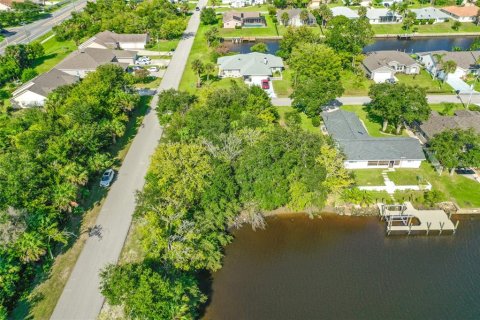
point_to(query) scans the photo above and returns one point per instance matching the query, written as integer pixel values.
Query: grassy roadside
(39, 304)
(306, 122)
(55, 51)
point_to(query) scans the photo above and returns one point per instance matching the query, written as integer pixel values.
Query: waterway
(345, 268)
(410, 46)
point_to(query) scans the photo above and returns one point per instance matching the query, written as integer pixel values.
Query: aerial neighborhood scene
(239, 159)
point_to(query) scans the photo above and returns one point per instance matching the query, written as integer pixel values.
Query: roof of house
(463, 59)
(463, 119)
(378, 59)
(86, 59)
(9, 3)
(124, 53)
(251, 64)
(354, 140)
(293, 13)
(373, 13)
(238, 16)
(344, 11)
(46, 83)
(430, 13)
(111, 40)
(466, 11)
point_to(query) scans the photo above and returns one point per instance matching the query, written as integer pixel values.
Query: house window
(383, 163)
(372, 163)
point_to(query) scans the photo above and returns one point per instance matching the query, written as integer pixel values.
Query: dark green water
(345, 268)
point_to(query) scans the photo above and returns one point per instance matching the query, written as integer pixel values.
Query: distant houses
(242, 3)
(431, 14)
(436, 123)
(381, 66)
(252, 67)
(344, 11)
(365, 152)
(233, 20)
(295, 17)
(112, 40)
(462, 14)
(379, 16)
(466, 61)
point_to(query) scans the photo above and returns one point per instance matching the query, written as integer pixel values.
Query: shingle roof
(124, 53)
(111, 40)
(463, 119)
(86, 59)
(354, 140)
(373, 13)
(238, 16)
(378, 59)
(466, 11)
(47, 82)
(430, 13)
(344, 11)
(463, 59)
(251, 64)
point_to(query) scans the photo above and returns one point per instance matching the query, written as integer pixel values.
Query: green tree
(28, 74)
(259, 47)
(304, 16)
(409, 20)
(208, 16)
(456, 25)
(398, 104)
(323, 14)
(285, 18)
(316, 77)
(198, 67)
(295, 36)
(448, 67)
(212, 36)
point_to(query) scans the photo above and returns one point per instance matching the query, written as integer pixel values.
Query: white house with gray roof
(344, 11)
(383, 65)
(431, 13)
(363, 151)
(250, 66)
(112, 40)
(379, 16)
(35, 92)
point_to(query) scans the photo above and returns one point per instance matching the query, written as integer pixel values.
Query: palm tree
(209, 69)
(323, 14)
(198, 68)
(439, 62)
(449, 67)
(285, 18)
(304, 16)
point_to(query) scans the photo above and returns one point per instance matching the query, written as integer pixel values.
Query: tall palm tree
(449, 67)
(198, 68)
(439, 61)
(285, 18)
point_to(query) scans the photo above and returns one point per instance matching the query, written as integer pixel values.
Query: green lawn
(405, 177)
(165, 45)
(355, 85)
(283, 88)
(267, 31)
(306, 122)
(445, 27)
(424, 80)
(373, 125)
(440, 108)
(55, 51)
(368, 177)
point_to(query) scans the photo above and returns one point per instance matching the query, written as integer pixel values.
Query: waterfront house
(294, 18)
(233, 20)
(431, 14)
(383, 65)
(112, 40)
(365, 152)
(462, 14)
(466, 62)
(436, 123)
(34, 92)
(379, 16)
(81, 62)
(345, 11)
(242, 3)
(252, 67)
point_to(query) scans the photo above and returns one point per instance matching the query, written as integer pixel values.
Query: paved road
(81, 298)
(363, 100)
(38, 28)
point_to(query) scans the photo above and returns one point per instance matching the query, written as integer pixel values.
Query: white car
(153, 69)
(144, 59)
(107, 178)
(142, 62)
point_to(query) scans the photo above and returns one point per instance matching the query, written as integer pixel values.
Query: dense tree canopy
(295, 36)
(17, 59)
(398, 103)
(21, 12)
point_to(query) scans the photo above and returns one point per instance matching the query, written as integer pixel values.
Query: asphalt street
(363, 100)
(34, 30)
(81, 297)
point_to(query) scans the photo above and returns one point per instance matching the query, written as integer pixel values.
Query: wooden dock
(406, 219)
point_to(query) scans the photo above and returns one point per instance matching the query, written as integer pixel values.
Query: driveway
(81, 297)
(455, 81)
(258, 82)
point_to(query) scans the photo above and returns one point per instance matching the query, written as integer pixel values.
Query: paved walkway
(360, 100)
(81, 298)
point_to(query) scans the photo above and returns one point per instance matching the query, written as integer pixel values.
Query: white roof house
(377, 16)
(345, 11)
(112, 40)
(253, 64)
(431, 13)
(242, 3)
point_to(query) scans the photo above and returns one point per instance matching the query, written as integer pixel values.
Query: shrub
(316, 121)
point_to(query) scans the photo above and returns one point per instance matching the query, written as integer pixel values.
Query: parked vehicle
(153, 69)
(143, 58)
(197, 9)
(136, 68)
(464, 171)
(265, 84)
(391, 80)
(142, 62)
(107, 178)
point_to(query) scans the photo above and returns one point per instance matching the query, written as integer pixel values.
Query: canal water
(409, 46)
(345, 268)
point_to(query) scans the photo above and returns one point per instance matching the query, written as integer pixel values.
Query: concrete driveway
(258, 82)
(455, 81)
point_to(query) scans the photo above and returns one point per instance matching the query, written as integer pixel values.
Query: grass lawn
(405, 177)
(368, 177)
(165, 45)
(424, 80)
(306, 122)
(48, 288)
(355, 85)
(55, 51)
(445, 27)
(283, 88)
(267, 31)
(441, 108)
(374, 126)
(152, 84)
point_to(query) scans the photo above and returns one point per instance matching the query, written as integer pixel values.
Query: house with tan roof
(466, 61)
(232, 19)
(112, 40)
(383, 65)
(35, 92)
(462, 14)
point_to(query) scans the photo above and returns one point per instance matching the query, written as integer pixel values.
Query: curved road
(36, 29)
(81, 297)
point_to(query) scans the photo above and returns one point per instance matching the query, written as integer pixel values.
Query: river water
(346, 268)
(413, 45)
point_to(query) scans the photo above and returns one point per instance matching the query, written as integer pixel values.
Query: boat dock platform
(404, 218)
